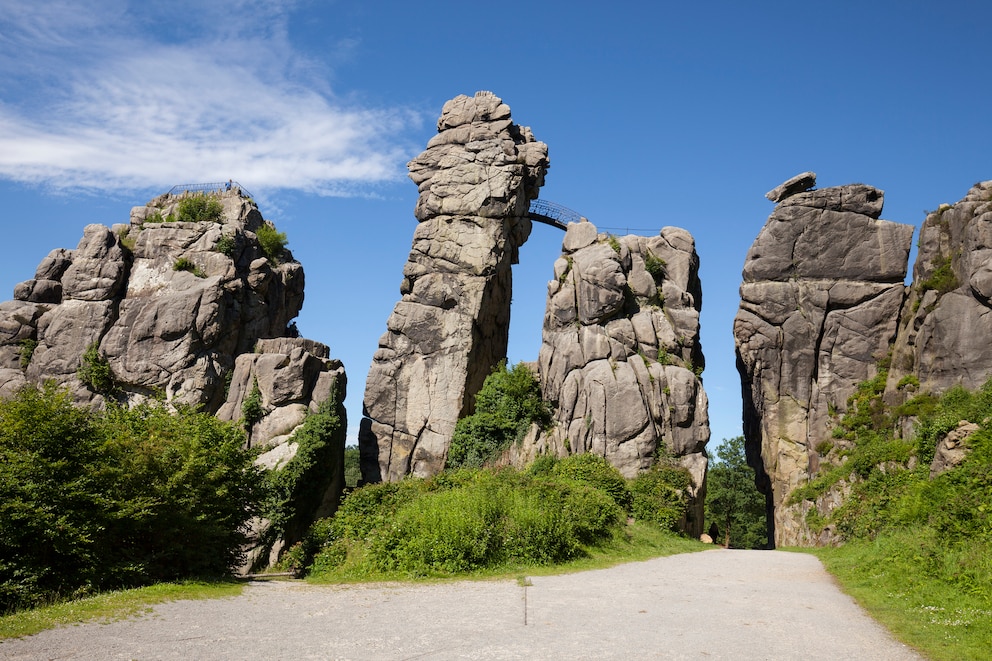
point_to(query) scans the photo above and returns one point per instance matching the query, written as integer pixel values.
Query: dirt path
(711, 605)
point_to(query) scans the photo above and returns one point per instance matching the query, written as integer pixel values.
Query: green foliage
(95, 501)
(655, 266)
(352, 466)
(226, 245)
(506, 406)
(127, 241)
(27, 352)
(185, 264)
(596, 471)
(614, 243)
(942, 279)
(660, 495)
(733, 503)
(466, 520)
(251, 408)
(295, 491)
(199, 208)
(95, 372)
(272, 241)
(156, 217)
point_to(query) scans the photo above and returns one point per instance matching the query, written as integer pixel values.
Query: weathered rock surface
(820, 304)
(952, 448)
(621, 353)
(945, 329)
(449, 330)
(183, 309)
(161, 329)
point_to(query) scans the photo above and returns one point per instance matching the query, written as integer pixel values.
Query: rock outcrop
(820, 305)
(450, 328)
(947, 322)
(193, 310)
(169, 304)
(620, 355)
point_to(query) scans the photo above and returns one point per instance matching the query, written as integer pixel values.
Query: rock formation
(947, 321)
(620, 355)
(450, 328)
(820, 304)
(169, 304)
(180, 309)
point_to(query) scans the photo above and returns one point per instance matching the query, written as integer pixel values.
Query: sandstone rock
(449, 330)
(952, 448)
(618, 355)
(801, 182)
(820, 305)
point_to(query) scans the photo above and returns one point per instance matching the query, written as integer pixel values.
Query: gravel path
(712, 605)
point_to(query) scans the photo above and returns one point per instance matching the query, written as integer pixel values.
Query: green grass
(640, 541)
(110, 606)
(889, 580)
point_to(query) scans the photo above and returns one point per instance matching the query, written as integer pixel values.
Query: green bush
(596, 471)
(466, 520)
(199, 208)
(296, 491)
(226, 245)
(185, 264)
(95, 372)
(272, 241)
(97, 501)
(251, 408)
(660, 495)
(656, 267)
(506, 406)
(27, 352)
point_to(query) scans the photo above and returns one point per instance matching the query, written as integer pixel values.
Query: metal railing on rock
(215, 187)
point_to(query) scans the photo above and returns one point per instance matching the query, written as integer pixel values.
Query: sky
(655, 114)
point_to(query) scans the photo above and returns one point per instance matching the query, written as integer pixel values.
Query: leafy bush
(733, 503)
(27, 352)
(96, 501)
(597, 472)
(226, 245)
(506, 406)
(272, 241)
(251, 408)
(185, 264)
(95, 372)
(466, 520)
(296, 491)
(156, 217)
(656, 267)
(199, 208)
(660, 495)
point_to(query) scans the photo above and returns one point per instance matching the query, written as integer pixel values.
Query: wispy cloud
(139, 99)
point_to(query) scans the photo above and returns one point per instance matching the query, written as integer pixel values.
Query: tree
(733, 503)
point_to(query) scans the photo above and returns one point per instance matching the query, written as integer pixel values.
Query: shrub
(272, 242)
(156, 217)
(660, 495)
(95, 372)
(506, 406)
(225, 245)
(595, 471)
(185, 264)
(27, 352)
(251, 408)
(656, 267)
(296, 491)
(95, 501)
(199, 208)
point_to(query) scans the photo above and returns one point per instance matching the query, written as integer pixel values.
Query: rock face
(450, 328)
(945, 329)
(820, 305)
(620, 353)
(182, 309)
(168, 304)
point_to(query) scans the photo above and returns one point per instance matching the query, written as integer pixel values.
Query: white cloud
(118, 105)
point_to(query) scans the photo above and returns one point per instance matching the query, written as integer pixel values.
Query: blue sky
(655, 113)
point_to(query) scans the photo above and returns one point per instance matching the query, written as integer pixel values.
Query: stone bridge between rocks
(551, 213)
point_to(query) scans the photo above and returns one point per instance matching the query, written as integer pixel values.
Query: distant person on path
(228, 186)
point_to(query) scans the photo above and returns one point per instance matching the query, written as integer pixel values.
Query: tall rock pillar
(820, 302)
(450, 328)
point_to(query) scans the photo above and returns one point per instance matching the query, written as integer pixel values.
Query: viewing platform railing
(216, 187)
